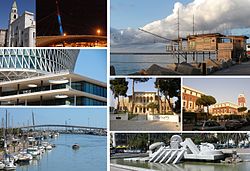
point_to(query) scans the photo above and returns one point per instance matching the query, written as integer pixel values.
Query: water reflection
(186, 166)
(90, 156)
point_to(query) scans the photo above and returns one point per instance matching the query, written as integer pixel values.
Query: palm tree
(152, 106)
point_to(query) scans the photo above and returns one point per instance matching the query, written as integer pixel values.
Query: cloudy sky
(160, 17)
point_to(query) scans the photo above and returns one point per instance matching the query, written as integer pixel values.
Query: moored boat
(76, 146)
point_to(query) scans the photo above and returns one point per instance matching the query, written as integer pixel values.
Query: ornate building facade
(228, 108)
(142, 100)
(21, 30)
(189, 97)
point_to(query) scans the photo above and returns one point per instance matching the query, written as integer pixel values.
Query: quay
(240, 69)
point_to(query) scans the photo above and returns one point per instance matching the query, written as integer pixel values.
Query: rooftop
(192, 89)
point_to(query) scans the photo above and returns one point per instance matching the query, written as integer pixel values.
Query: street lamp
(98, 31)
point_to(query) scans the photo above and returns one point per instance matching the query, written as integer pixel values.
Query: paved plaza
(143, 125)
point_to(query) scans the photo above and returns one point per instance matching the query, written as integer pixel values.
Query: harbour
(43, 144)
(92, 150)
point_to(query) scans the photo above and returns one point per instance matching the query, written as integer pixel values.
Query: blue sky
(5, 7)
(92, 63)
(137, 13)
(96, 117)
(223, 89)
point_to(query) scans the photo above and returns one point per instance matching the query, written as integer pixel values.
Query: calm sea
(128, 64)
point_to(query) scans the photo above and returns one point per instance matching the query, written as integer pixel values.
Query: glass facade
(90, 88)
(80, 101)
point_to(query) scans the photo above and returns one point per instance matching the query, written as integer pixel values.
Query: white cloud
(210, 16)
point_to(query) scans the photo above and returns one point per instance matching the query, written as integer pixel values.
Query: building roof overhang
(46, 79)
(49, 95)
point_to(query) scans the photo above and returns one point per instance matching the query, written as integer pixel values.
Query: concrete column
(70, 81)
(1, 90)
(50, 86)
(18, 88)
(74, 100)
(41, 100)
(26, 102)
(41, 85)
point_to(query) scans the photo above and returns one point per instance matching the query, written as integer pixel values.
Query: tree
(136, 80)
(138, 141)
(169, 87)
(119, 87)
(242, 109)
(206, 101)
(200, 102)
(236, 137)
(152, 106)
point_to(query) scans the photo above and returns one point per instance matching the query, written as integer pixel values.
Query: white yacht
(33, 151)
(9, 165)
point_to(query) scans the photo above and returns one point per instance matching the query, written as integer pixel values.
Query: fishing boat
(23, 158)
(76, 146)
(48, 147)
(33, 151)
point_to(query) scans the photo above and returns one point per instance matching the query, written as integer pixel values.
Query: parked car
(244, 122)
(233, 124)
(208, 126)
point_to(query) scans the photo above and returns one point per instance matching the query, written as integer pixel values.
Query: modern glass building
(45, 77)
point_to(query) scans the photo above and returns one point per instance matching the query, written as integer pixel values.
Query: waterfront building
(64, 88)
(45, 77)
(25, 63)
(227, 47)
(189, 97)
(142, 99)
(21, 30)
